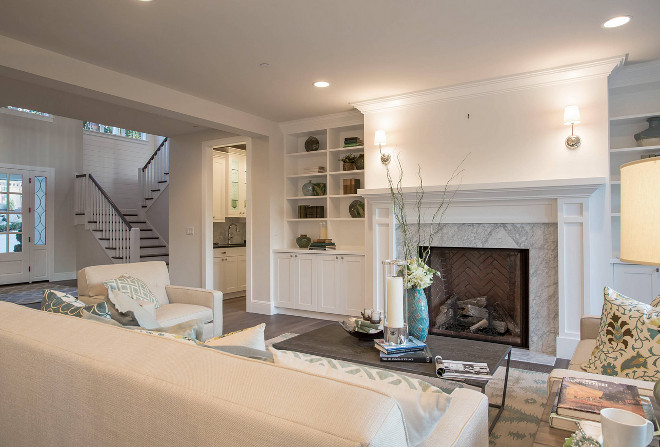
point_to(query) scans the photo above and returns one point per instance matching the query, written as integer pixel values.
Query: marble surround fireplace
(551, 219)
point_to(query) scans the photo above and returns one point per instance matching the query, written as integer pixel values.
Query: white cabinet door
(328, 284)
(219, 194)
(305, 297)
(285, 280)
(236, 185)
(230, 273)
(639, 282)
(242, 272)
(218, 278)
(352, 284)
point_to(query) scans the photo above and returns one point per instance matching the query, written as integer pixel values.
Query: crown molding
(636, 74)
(554, 76)
(350, 118)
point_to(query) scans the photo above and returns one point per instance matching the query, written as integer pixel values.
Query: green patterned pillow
(628, 339)
(63, 303)
(422, 404)
(133, 287)
(176, 337)
(656, 301)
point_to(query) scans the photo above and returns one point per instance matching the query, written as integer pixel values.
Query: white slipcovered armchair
(177, 304)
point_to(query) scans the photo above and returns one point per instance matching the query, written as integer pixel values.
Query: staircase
(125, 235)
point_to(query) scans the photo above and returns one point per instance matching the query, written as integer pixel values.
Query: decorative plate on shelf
(312, 144)
(356, 209)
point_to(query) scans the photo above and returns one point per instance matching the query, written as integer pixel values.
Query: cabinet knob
(337, 257)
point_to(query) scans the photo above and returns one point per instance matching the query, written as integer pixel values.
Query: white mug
(622, 428)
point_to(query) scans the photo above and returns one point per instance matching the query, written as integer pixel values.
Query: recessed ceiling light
(264, 65)
(615, 22)
(145, 1)
(321, 84)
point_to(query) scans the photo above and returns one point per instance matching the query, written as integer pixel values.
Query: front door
(23, 244)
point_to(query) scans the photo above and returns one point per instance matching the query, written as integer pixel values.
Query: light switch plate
(190, 231)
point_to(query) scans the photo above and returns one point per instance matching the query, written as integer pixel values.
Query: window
(111, 130)
(19, 109)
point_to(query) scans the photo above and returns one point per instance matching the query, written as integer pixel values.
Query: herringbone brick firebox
(483, 294)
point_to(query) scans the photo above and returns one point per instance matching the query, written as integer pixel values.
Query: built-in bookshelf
(301, 168)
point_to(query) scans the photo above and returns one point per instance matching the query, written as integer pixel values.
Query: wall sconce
(572, 117)
(381, 139)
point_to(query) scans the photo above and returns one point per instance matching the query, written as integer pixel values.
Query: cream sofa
(589, 327)
(73, 382)
(177, 304)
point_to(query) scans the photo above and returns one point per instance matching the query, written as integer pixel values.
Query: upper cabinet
(219, 188)
(229, 185)
(236, 184)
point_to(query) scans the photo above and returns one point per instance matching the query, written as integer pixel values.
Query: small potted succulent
(348, 161)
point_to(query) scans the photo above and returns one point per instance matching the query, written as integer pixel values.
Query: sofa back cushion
(127, 388)
(154, 274)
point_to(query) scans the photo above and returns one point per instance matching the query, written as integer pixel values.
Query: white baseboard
(566, 346)
(311, 314)
(63, 276)
(260, 307)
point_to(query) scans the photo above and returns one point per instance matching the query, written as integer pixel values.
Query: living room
(516, 130)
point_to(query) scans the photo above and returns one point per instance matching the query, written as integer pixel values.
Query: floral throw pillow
(628, 342)
(133, 287)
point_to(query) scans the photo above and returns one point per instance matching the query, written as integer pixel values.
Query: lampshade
(640, 212)
(571, 115)
(380, 138)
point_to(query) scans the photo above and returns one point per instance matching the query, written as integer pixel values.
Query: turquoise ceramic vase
(418, 314)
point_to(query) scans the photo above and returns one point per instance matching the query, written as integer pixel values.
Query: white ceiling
(365, 48)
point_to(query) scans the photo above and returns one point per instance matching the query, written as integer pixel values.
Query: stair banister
(154, 171)
(100, 211)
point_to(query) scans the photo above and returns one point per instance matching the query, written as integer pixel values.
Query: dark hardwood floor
(236, 318)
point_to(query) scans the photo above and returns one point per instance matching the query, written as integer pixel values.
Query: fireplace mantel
(563, 202)
(541, 189)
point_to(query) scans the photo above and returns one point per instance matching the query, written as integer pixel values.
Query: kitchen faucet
(229, 232)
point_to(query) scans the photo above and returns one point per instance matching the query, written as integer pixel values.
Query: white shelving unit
(634, 96)
(347, 232)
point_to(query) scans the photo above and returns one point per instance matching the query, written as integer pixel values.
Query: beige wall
(57, 145)
(158, 215)
(186, 206)
(509, 136)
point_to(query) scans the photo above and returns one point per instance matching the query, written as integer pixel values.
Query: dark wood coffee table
(334, 342)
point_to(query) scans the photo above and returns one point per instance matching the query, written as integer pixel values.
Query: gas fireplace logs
(474, 315)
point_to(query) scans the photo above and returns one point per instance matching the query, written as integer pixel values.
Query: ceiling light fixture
(615, 22)
(321, 84)
(264, 65)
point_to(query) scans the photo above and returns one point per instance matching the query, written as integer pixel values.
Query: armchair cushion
(201, 297)
(589, 326)
(176, 313)
(627, 340)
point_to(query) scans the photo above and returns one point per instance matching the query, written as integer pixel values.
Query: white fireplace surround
(566, 202)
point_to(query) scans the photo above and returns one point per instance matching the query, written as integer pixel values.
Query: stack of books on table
(414, 351)
(580, 400)
(322, 244)
(353, 141)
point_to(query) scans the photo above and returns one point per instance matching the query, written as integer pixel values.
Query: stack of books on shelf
(351, 185)
(322, 244)
(311, 212)
(414, 351)
(314, 170)
(353, 141)
(580, 400)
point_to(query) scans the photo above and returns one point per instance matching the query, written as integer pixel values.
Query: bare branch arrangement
(424, 236)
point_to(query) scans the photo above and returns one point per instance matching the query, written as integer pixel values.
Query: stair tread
(152, 246)
(155, 190)
(161, 255)
(149, 237)
(162, 181)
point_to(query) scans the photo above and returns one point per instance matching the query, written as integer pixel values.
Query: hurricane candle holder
(396, 310)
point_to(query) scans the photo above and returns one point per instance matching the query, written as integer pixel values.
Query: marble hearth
(556, 220)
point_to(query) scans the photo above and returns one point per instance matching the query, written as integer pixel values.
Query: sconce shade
(640, 212)
(571, 115)
(380, 138)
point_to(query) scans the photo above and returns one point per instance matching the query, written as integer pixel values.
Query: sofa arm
(201, 297)
(589, 327)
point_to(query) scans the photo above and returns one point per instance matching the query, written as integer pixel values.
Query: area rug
(525, 399)
(31, 293)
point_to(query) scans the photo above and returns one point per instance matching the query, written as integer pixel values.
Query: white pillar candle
(395, 301)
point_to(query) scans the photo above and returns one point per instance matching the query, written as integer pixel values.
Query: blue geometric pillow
(133, 287)
(63, 303)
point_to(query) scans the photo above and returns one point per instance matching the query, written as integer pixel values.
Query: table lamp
(640, 217)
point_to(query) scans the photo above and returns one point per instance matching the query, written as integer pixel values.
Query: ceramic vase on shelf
(650, 136)
(303, 241)
(418, 314)
(308, 189)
